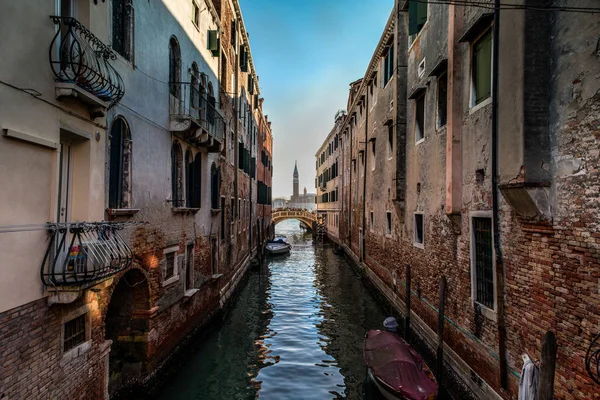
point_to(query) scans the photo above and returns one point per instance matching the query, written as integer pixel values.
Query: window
(417, 16)
(391, 139)
(373, 163)
(483, 261)
(193, 179)
(388, 66)
(418, 229)
(388, 223)
(174, 68)
(189, 267)
(371, 221)
(195, 14)
(421, 68)
(170, 265)
(177, 175)
(119, 185)
(122, 28)
(74, 333)
(442, 99)
(215, 186)
(223, 72)
(482, 68)
(195, 89)
(420, 118)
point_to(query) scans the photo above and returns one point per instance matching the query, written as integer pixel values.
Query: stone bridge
(308, 218)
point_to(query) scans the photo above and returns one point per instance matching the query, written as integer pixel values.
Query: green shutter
(417, 15)
(213, 42)
(422, 13)
(482, 67)
(413, 25)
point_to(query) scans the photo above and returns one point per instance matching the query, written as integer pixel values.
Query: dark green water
(295, 332)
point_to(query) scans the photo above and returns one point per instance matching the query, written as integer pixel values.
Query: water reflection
(295, 332)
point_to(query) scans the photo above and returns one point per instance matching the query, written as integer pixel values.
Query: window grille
(74, 333)
(170, 266)
(483, 259)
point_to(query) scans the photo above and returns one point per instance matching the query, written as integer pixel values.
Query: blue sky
(306, 53)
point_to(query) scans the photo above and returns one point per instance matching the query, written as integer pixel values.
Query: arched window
(174, 68)
(195, 87)
(119, 185)
(215, 186)
(177, 175)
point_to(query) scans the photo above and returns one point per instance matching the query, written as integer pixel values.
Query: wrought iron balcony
(194, 112)
(80, 59)
(83, 254)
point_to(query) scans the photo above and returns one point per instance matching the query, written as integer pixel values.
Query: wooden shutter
(482, 68)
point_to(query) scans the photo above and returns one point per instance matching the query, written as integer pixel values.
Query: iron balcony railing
(188, 101)
(79, 57)
(82, 254)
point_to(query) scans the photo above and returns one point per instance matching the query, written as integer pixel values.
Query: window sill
(419, 141)
(190, 292)
(216, 277)
(76, 351)
(122, 212)
(481, 105)
(215, 211)
(419, 245)
(170, 281)
(184, 210)
(486, 311)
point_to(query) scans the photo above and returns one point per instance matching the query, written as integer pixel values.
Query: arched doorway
(126, 325)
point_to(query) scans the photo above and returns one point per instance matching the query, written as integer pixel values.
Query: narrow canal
(295, 332)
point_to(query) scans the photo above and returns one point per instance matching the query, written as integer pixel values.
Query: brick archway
(126, 323)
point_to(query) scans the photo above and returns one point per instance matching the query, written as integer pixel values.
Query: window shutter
(213, 42)
(413, 16)
(422, 14)
(180, 264)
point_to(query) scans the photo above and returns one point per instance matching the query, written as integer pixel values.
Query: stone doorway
(127, 324)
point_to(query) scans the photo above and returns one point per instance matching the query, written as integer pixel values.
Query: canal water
(295, 332)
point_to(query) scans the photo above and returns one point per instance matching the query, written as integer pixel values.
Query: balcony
(81, 255)
(194, 114)
(82, 66)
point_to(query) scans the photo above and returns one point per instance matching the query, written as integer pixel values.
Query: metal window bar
(484, 258)
(74, 332)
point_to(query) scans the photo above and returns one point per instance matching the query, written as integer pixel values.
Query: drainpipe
(364, 236)
(500, 273)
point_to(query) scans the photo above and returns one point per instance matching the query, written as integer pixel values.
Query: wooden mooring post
(407, 302)
(547, 367)
(440, 331)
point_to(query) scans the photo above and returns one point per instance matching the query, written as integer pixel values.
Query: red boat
(396, 369)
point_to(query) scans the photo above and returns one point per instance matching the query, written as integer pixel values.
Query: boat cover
(398, 367)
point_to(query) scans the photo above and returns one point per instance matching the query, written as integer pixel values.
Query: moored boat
(396, 369)
(277, 248)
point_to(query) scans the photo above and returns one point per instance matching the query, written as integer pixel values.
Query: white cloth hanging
(528, 385)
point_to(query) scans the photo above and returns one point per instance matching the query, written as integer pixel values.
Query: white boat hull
(277, 248)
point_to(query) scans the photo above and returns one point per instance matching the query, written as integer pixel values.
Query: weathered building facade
(328, 180)
(478, 164)
(133, 158)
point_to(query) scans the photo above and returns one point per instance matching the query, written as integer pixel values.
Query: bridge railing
(294, 214)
